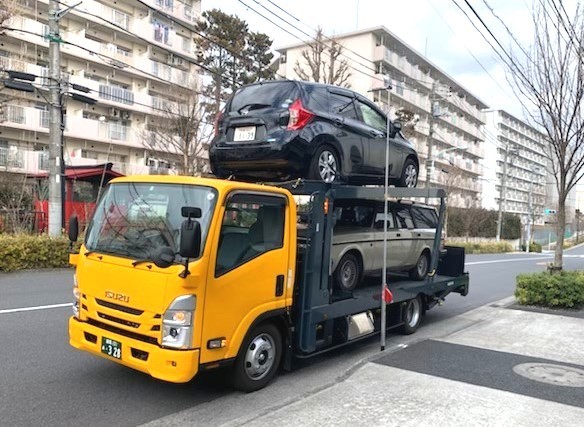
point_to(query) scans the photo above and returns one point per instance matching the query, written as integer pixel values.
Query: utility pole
(529, 209)
(430, 133)
(502, 193)
(388, 88)
(55, 123)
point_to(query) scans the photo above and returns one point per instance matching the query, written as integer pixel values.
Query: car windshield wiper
(253, 106)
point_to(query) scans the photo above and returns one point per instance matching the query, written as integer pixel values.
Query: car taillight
(299, 116)
(218, 118)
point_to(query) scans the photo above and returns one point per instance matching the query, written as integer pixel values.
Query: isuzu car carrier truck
(177, 275)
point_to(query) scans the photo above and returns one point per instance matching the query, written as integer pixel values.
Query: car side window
(372, 117)
(379, 220)
(424, 217)
(403, 217)
(354, 216)
(343, 106)
(252, 225)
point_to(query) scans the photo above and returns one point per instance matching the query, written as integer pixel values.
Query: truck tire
(412, 315)
(420, 270)
(348, 273)
(258, 359)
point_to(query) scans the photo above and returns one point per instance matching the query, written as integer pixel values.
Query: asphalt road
(45, 381)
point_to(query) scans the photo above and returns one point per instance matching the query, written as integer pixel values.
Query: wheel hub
(259, 357)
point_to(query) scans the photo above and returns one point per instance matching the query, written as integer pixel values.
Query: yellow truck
(178, 275)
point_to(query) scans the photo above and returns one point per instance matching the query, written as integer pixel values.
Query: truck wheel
(420, 271)
(325, 165)
(412, 315)
(348, 273)
(258, 359)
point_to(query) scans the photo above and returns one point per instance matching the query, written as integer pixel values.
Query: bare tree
(323, 62)
(408, 120)
(549, 81)
(7, 11)
(180, 134)
(15, 203)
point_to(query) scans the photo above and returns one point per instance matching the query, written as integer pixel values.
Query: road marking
(38, 307)
(539, 258)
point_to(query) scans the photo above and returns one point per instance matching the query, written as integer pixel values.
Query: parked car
(358, 240)
(285, 129)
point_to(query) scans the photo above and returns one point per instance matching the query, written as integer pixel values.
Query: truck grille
(118, 320)
(119, 307)
(124, 332)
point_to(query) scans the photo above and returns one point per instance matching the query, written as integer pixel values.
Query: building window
(116, 93)
(120, 18)
(161, 32)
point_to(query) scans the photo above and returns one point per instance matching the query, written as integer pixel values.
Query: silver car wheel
(348, 274)
(327, 166)
(259, 357)
(411, 176)
(423, 266)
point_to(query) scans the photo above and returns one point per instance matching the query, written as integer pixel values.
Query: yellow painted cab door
(248, 272)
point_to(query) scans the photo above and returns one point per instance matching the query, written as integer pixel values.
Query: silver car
(358, 240)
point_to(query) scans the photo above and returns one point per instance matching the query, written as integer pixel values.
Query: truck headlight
(177, 322)
(75, 305)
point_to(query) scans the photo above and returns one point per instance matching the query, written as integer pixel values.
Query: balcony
(117, 94)
(14, 159)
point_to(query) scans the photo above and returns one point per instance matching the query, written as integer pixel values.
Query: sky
(435, 28)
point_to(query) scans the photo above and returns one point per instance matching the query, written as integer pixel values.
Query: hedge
(483, 248)
(22, 251)
(557, 290)
(533, 247)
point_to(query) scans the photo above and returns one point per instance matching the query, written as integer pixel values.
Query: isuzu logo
(117, 296)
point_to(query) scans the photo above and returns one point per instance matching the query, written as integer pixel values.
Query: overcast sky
(436, 28)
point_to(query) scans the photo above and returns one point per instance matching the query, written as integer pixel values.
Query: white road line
(495, 261)
(38, 307)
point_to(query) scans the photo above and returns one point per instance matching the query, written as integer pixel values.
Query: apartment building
(424, 89)
(134, 56)
(526, 173)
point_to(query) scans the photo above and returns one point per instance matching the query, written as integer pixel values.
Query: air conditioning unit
(114, 112)
(125, 115)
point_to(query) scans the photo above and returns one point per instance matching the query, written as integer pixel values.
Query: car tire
(325, 165)
(348, 273)
(409, 176)
(412, 315)
(420, 270)
(258, 359)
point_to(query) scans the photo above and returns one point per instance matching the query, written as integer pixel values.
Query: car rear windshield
(424, 217)
(276, 95)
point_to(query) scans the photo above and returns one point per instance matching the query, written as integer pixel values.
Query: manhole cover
(549, 373)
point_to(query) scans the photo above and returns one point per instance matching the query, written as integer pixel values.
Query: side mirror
(190, 239)
(397, 126)
(73, 229)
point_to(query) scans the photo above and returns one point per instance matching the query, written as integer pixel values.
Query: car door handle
(375, 134)
(280, 285)
(419, 234)
(398, 235)
(338, 122)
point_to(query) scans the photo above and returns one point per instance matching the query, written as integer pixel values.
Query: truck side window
(252, 225)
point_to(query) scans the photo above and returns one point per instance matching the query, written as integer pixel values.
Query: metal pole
(385, 213)
(430, 133)
(55, 160)
(502, 195)
(528, 240)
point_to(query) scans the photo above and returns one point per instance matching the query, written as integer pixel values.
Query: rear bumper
(262, 160)
(176, 366)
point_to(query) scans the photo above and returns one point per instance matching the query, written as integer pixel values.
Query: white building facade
(419, 87)
(131, 55)
(526, 175)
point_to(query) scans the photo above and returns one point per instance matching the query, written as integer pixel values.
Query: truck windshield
(132, 219)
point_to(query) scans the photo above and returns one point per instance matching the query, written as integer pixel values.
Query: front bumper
(177, 366)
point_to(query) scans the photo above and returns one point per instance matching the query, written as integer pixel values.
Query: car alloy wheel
(327, 166)
(411, 175)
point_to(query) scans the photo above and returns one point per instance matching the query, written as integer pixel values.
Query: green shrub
(483, 248)
(22, 251)
(533, 247)
(564, 289)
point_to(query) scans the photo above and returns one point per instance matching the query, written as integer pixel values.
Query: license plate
(111, 347)
(246, 133)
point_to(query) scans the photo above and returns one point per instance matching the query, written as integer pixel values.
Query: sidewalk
(511, 367)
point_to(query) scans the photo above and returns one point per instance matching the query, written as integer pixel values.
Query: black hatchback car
(288, 129)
